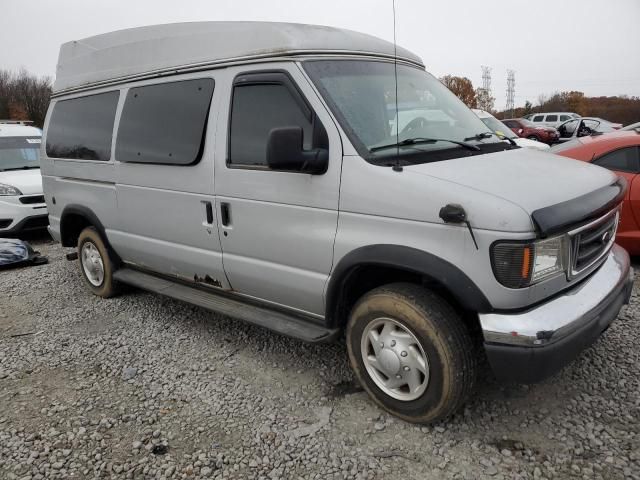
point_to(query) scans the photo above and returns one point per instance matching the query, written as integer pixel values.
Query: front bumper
(20, 215)
(528, 346)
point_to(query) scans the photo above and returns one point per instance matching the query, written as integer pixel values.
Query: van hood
(29, 182)
(525, 178)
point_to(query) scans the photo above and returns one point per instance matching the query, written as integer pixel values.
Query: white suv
(551, 119)
(22, 205)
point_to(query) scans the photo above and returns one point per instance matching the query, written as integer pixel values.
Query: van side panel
(163, 209)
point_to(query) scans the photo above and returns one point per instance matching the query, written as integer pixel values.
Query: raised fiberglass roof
(161, 48)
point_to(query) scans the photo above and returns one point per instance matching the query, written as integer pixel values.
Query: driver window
(256, 109)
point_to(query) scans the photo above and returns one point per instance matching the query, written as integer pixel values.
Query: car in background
(22, 205)
(583, 127)
(526, 129)
(502, 131)
(620, 152)
(551, 119)
(631, 126)
(612, 125)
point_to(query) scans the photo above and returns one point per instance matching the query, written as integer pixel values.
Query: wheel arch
(374, 265)
(74, 219)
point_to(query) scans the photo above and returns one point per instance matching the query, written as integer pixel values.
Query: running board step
(280, 322)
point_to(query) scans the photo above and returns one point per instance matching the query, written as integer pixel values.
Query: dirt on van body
(141, 386)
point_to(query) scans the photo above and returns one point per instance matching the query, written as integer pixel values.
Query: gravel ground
(141, 386)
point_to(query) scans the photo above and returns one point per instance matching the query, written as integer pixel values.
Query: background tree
(528, 108)
(463, 88)
(24, 96)
(622, 109)
(484, 99)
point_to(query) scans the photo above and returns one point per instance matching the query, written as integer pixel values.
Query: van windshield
(19, 153)
(362, 95)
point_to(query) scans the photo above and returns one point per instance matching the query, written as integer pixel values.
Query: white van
(252, 169)
(22, 206)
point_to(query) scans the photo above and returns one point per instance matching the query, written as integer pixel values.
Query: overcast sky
(587, 45)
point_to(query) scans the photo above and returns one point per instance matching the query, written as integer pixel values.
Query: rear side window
(623, 160)
(165, 123)
(82, 128)
(538, 118)
(256, 109)
(509, 123)
(564, 118)
(552, 118)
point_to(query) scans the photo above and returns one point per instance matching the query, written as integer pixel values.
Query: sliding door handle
(225, 214)
(209, 212)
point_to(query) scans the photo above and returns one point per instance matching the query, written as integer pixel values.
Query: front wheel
(95, 264)
(411, 352)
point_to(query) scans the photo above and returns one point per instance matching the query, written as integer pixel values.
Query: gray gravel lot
(141, 386)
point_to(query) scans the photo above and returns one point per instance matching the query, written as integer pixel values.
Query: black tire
(108, 287)
(443, 337)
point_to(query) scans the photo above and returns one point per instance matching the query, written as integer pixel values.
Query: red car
(526, 129)
(618, 151)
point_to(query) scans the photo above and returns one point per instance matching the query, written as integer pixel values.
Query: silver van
(253, 169)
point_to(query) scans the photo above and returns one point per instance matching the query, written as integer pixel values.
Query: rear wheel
(95, 264)
(411, 352)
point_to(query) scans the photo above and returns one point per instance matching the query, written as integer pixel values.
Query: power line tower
(486, 86)
(511, 90)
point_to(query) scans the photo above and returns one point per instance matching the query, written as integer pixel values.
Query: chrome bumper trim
(567, 313)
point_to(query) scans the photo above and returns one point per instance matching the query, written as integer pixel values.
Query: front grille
(592, 241)
(32, 199)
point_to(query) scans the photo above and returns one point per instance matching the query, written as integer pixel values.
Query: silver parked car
(259, 170)
(583, 127)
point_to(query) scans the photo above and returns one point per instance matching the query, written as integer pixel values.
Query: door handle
(209, 212)
(225, 214)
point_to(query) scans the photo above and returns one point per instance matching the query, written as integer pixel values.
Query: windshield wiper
(509, 139)
(479, 136)
(422, 141)
(26, 167)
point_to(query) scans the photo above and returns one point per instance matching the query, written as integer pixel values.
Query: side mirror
(520, 130)
(284, 152)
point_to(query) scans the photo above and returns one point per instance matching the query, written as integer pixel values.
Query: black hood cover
(561, 217)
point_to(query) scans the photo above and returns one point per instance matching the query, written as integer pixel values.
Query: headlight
(521, 264)
(8, 190)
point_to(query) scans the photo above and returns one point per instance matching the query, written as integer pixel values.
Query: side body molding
(466, 293)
